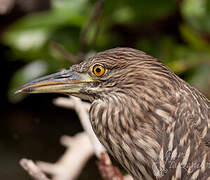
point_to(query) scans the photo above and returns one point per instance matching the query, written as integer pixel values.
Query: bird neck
(120, 125)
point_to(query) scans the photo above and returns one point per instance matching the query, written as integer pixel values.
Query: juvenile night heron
(155, 124)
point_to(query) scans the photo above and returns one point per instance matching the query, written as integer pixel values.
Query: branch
(127, 177)
(97, 12)
(77, 105)
(70, 165)
(95, 18)
(33, 169)
(6, 6)
(61, 51)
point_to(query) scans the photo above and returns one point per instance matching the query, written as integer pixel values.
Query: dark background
(177, 32)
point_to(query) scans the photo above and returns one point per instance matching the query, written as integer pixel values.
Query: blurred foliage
(177, 32)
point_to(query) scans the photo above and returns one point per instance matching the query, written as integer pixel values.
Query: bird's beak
(65, 82)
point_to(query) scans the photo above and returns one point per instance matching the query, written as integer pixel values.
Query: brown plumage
(155, 124)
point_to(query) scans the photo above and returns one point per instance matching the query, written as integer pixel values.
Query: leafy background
(175, 31)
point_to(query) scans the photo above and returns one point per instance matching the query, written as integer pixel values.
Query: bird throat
(116, 126)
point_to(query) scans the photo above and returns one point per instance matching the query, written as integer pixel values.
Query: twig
(59, 49)
(6, 6)
(69, 166)
(95, 15)
(33, 169)
(77, 105)
(95, 18)
(69, 103)
(127, 177)
(107, 170)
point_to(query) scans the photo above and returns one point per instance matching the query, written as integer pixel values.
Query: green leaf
(197, 14)
(25, 40)
(33, 31)
(193, 39)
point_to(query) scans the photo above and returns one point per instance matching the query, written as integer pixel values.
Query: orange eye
(98, 70)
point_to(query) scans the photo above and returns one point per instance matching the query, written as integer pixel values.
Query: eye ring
(98, 70)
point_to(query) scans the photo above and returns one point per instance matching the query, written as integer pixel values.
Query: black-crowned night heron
(155, 124)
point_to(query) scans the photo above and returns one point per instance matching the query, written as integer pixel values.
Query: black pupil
(98, 70)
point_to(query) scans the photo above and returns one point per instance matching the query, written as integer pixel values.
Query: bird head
(114, 70)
